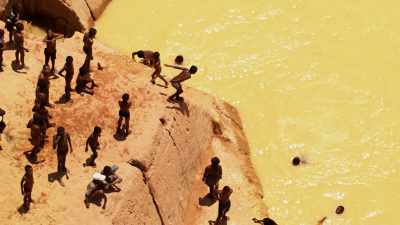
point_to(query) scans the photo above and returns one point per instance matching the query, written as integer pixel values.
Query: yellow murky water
(313, 78)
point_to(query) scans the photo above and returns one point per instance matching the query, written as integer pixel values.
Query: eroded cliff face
(172, 142)
(66, 16)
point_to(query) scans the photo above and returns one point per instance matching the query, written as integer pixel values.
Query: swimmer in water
(296, 161)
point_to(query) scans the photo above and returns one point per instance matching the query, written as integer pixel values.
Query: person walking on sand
(27, 186)
(176, 82)
(93, 143)
(212, 175)
(50, 52)
(157, 70)
(88, 40)
(69, 74)
(60, 142)
(124, 114)
(43, 86)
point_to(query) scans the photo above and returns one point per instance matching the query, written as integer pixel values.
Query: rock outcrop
(65, 16)
(97, 7)
(171, 144)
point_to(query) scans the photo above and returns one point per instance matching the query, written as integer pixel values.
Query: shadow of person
(207, 200)
(57, 176)
(63, 100)
(183, 107)
(17, 68)
(8, 46)
(32, 158)
(22, 209)
(224, 221)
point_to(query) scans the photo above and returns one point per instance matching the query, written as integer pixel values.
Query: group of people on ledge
(105, 181)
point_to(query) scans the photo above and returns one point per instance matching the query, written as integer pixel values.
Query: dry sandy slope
(174, 153)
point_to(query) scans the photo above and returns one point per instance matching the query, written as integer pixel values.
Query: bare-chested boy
(2, 124)
(69, 74)
(93, 143)
(50, 52)
(176, 81)
(157, 70)
(1, 49)
(83, 80)
(43, 85)
(224, 205)
(61, 141)
(19, 45)
(88, 40)
(145, 55)
(124, 113)
(11, 21)
(27, 186)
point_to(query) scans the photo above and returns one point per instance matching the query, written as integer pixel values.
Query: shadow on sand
(207, 200)
(182, 107)
(57, 176)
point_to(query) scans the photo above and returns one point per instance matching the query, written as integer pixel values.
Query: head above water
(268, 221)
(125, 97)
(215, 161)
(179, 60)
(296, 161)
(193, 69)
(340, 210)
(92, 32)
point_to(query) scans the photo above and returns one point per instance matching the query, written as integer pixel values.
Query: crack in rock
(140, 166)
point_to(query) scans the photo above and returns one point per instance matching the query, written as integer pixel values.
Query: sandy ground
(62, 202)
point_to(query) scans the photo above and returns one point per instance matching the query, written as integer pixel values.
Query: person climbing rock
(212, 175)
(176, 82)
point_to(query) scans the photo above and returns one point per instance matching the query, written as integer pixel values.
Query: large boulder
(97, 7)
(65, 16)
